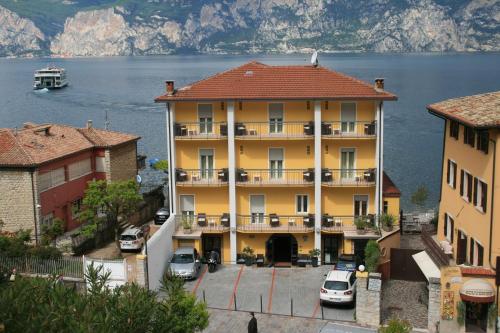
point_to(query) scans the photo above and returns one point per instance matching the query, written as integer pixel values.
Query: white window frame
(453, 170)
(466, 186)
(100, 164)
(300, 210)
(206, 129)
(258, 221)
(48, 219)
(194, 203)
(479, 194)
(449, 228)
(367, 204)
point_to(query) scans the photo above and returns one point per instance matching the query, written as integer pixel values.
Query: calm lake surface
(125, 87)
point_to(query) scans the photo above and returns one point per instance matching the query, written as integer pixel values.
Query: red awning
(478, 291)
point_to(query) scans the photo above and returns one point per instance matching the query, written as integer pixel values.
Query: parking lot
(272, 290)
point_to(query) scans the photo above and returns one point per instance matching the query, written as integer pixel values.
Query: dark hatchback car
(161, 215)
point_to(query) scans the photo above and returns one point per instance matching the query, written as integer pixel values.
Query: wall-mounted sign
(374, 284)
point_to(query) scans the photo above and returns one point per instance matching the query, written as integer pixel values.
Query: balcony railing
(433, 249)
(202, 222)
(200, 130)
(274, 223)
(274, 130)
(349, 129)
(348, 177)
(201, 177)
(277, 177)
(346, 223)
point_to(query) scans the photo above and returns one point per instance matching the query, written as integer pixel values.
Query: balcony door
(187, 207)
(348, 117)
(275, 118)
(347, 161)
(360, 205)
(207, 163)
(276, 163)
(205, 118)
(257, 208)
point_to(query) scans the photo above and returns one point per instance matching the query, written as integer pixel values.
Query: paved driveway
(271, 289)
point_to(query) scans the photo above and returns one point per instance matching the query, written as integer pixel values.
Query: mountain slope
(134, 27)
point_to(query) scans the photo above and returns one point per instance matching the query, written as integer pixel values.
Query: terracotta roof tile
(477, 271)
(254, 81)
(390, 190)
(478, 110)
(38, 144)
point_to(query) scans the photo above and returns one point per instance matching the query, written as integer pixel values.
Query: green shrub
(387, 220)
(45, 252)
(372, 255)
(360, 223)
(461, 313)
(396, 325)
(52, 231)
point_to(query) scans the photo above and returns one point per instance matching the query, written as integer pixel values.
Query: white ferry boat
(50, 78)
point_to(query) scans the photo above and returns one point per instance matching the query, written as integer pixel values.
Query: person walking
(252, 324)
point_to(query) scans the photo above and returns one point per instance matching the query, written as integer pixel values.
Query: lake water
(125, 87)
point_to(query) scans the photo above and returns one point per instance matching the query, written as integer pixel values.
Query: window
(51, 179)
(451, 175)
(187, 206)
(275, 117)
(476, 253)
(360, 205)
(480, 194)
(76, 208)
(207, 163)
(347, 157)
(386, 207)
(454, 129)
(257, 208)
(48, 219)
(302, 204)
(449, 227)
(100, 164)
(466, 185)
(205, 118)
(276, 162)
(79, 169)
(348, 117)
(483, 140)
(469, 136)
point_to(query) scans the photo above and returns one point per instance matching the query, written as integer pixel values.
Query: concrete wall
(368, 302)
(16, 200)
(434, 307)
(121, 162)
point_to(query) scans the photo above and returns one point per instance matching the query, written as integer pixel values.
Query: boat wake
(42, 91)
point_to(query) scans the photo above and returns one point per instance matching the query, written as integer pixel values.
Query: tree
(117, 200)
(372, 255)
(161, 165)
(52, 231)
(420, 196)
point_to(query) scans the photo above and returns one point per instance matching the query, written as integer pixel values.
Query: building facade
(469, 220)
(44, 170)
(282, 159)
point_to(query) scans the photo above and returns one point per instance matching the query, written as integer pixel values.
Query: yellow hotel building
(278, 158)
(468, 235)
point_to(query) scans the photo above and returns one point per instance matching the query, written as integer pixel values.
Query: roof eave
(443, 114)
(166, 99)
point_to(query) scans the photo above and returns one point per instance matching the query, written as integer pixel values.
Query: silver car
(185, 263)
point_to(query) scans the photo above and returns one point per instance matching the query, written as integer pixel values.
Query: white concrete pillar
(378, 160)
(232, 179)
(171, 156)
(317, 175)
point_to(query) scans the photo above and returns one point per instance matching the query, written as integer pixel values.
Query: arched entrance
(281, 248)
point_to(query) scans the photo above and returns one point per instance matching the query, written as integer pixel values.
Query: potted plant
(360, 224)
(186, 225)
(314, 253)
(387, 221)
(248, 254)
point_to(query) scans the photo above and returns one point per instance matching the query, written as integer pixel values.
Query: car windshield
(127, 237)
(182, 259)
(336, 285)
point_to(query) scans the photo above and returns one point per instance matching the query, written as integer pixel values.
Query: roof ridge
(21, 147)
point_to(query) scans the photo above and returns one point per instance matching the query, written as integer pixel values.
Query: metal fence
(65, 266)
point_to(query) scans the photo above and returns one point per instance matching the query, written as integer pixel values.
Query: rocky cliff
(254, 26)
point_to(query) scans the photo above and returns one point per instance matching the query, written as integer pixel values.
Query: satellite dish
(314, 59)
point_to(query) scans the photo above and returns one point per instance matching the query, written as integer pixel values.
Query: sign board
(374, 284)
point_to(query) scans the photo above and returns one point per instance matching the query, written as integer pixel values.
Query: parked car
(161, 215)
(132, 239)
(185, 263)
(339, 288)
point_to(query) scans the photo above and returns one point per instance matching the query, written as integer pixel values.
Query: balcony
(274, 130)
(201, 177)
(275, 177)
(348, 177)
(200, 131)
(346, 225)
(349, 129)
(195, 224)
(274, 223)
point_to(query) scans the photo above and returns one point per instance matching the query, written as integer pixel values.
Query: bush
(372, 255)
(360, 223)
(52, 231)
(396, 326)
(45, 252)
(387, 220)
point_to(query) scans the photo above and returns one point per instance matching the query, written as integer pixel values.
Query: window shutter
(445, 224)
(471, 251)
(475, 191)
(480, 254)
(484, 195)
(469, 187)
(448, 172)
(452, 226)
(462, 178)
(455, 176)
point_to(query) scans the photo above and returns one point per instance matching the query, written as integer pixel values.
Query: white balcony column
(317, 175)
(232, 179)
(379, 158)
(172, 193)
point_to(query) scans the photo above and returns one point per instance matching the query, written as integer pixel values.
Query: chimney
(89, 124)
(379, 84)
(170, 87)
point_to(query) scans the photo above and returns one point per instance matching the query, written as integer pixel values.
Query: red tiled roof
(477, 271)
(390, 190)
(256, 81)
(477, 111)
(37, 144)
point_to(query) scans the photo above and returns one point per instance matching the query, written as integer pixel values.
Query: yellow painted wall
(188, 153)
(365, 111)
(258, 111)
(279, 200)
(393, 206)
(208, 200)
(255, 154)
(196, 243)
(386, 244)
(339, 201)
(495, 134)
(226, 248)
(364, 155)
(467, 218)
(188, 112)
